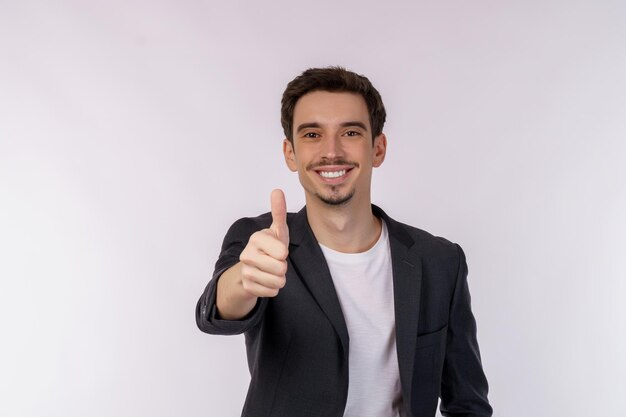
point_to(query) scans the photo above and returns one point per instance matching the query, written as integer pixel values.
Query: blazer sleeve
(207, 318)
(464, 386)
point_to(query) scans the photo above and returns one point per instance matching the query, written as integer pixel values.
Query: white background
(133, 133)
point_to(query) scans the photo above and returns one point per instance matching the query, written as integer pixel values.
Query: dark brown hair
(332, 79)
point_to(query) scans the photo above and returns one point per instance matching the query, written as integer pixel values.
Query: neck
(349, 228)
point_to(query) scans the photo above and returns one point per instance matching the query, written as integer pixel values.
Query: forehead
(329, 107)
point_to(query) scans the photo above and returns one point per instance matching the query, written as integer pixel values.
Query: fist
(264, 259)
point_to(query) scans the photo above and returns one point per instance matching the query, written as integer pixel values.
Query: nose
(332, 146)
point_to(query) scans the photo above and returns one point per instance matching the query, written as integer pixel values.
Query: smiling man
(345, 311)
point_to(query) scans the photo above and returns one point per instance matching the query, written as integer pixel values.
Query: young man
(345, 311)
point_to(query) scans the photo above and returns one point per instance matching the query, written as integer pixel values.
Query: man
(345, 311)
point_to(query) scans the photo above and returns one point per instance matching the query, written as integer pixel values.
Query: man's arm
(233, 302)
(464, 386)
(236, 287)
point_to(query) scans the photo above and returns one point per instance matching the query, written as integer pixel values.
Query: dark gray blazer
(297, 342)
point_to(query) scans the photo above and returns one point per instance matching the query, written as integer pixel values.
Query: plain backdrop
(133, 133)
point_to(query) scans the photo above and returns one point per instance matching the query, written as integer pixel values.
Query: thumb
(279, 216)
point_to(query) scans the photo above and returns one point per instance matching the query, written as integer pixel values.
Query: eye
(352, 133)
(311, 135)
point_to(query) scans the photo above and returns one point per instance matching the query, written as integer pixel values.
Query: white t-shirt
(364, 286)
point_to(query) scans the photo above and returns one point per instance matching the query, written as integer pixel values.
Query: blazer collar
(299, 228)
(308, 260)
(407, 283)
(309, 263)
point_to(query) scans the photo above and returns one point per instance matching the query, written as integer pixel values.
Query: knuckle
(246, 271)
(283, 268)
(245, 256)
(255, 239)
(282, 281)
(256, 235)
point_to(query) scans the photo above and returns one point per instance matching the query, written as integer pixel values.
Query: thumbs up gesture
(264, 259)
(279, 217)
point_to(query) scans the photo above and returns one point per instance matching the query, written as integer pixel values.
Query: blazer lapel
(309, 262)
(407, 280)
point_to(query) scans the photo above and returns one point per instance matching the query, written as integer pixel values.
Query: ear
(379, 150)
(290, 155)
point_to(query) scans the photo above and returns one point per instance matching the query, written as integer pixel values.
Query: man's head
(333, 122)
(332, 79)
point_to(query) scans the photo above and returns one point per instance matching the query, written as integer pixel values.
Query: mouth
(333, 174)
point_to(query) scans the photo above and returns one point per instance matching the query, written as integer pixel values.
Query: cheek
(304, 178)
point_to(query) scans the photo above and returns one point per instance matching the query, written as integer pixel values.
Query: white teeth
(333, 174)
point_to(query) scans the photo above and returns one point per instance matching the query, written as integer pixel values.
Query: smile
(332, 174)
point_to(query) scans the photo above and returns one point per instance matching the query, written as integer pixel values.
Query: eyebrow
(344, 124)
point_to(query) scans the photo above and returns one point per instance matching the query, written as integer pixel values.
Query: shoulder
(262, 221)
(427, 240)
(246, 226)
(430, 247)
(439, 256)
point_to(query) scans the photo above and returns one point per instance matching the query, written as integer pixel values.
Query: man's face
(332, 147)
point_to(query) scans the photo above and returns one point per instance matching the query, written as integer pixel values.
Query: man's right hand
(264, 259)
(262, 267)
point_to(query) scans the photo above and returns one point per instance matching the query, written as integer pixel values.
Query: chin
(336, 200)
